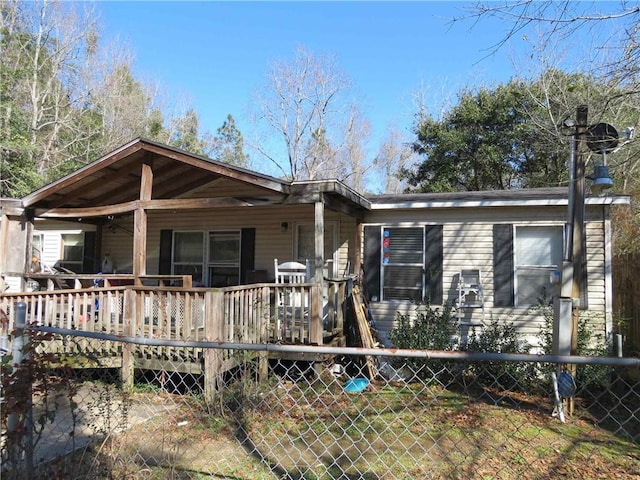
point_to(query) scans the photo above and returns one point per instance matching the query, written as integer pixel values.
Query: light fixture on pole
(602, 138)
(600, 180)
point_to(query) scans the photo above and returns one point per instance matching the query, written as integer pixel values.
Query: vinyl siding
(270, 243)
(468, 244)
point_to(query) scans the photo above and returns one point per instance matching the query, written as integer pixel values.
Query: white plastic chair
(292, 300)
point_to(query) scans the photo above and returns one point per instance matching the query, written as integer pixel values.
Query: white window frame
(328, 262)
(386, 267)
(546, 268)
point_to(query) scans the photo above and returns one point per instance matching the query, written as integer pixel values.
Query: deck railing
(256, 313)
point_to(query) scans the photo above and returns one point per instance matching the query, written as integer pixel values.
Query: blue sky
(217, 53)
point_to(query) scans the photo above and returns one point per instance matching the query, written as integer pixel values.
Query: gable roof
(115, 177)
(114, 182)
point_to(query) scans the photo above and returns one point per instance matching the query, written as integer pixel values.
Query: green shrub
(589, 378)
(499, 337)
(429, 329)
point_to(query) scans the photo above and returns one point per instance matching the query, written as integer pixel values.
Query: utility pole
(578, 234)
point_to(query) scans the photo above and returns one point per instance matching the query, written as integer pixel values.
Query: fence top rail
(151, 288)
(630, 362)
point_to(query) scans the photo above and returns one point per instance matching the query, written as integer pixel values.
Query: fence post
(213, 332)
(315, 329)
(129, 320)
(264, 318)
(19, 346)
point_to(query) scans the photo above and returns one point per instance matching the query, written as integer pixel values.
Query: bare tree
(560, 20)
(305, 103)
(46, 48)
(394, 155)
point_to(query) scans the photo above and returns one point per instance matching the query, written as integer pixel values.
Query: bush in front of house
(436, 329)
(590, 379)
(500, 337)
(428, 329)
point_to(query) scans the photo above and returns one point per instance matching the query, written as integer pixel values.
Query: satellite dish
(602, 138)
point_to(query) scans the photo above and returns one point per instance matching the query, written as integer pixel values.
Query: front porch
(149, 309)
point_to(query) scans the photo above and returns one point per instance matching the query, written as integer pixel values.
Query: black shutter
(89, 262)
(371, 264)
(247, 252)
(164, 257)
(433, 264)
(503, 265)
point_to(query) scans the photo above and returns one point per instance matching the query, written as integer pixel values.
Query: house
(150, 209)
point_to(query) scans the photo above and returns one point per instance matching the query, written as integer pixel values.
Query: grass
(302, 432)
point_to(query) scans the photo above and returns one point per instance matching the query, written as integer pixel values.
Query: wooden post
(315, 328)
(140, 224)
(332, 289)
(213, 332)
(264, 320)
(578, 253)
(129, 322)
(357, 248)
(342, 291)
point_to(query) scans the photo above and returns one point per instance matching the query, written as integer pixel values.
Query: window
(72, 251)
(224, 259)
(403, 263)
(538, 251)
(188, 255)
(305, 246)
(36, 253)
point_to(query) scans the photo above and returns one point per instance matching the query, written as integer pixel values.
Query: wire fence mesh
(317, 415)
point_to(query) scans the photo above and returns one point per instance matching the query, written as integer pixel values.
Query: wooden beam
(139, 242)
(98, 181)
(146, 181)
(193, 203)
(224, 170)
(125, 151)
(341, 206)
(100, 211)
(140, 222)
(169, 204)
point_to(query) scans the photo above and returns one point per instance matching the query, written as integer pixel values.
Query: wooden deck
(251, 314)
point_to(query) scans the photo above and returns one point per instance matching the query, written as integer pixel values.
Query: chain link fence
(315, 413)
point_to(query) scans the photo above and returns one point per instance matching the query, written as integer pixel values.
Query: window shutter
(247, 252)
(164, 257)
(89, 260)
(433, 264)
(503, 265)
(371, 262)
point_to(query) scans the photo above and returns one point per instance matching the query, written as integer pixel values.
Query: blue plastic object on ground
(355, 385)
